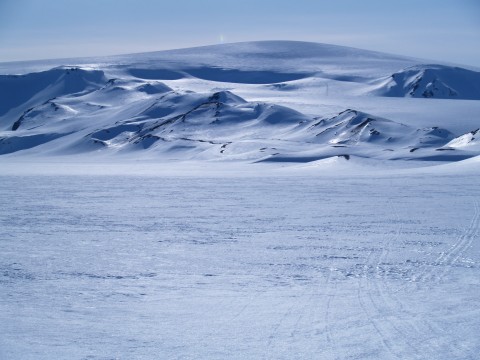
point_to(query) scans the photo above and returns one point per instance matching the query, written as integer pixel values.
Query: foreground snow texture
(266, 266)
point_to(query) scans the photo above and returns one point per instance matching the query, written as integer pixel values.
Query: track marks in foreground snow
(331, 293)
(370, 310)
(306, 267)
(450, 257)
(390, 315)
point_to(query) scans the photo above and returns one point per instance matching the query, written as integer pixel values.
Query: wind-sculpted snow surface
(233, 266)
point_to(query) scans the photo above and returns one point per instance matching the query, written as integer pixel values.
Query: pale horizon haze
(442, 30)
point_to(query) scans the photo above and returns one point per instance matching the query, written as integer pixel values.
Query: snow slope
(469, 140)
(432, 81)
(35, 88)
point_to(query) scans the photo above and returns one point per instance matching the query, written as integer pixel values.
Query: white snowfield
(265, 200)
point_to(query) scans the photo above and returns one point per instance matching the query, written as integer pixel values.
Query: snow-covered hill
(470, 140)
(432, 81)
(282, 101)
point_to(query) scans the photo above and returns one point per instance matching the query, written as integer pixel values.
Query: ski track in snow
(449, 258)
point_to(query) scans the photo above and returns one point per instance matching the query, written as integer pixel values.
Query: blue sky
(447, 30)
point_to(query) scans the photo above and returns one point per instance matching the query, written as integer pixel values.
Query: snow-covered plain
(269, 200)
(288, 263)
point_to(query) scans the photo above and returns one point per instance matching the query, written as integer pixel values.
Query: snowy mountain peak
(226, 97)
